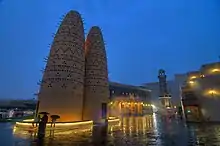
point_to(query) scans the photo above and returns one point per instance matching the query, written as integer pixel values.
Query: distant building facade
(201, 94)
(129, 100)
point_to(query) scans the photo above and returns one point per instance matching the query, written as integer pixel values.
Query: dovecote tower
(62, 86)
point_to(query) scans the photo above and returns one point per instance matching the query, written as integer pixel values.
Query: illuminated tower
(96, 77)
(62, 86)
(164, 95)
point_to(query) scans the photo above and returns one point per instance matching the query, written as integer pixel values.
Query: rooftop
(129, 86)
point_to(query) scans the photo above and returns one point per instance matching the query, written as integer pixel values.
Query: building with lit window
(129, 100)
(201, 94)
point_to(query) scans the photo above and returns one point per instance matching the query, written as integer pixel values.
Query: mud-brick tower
(62, 86)
(96, 77)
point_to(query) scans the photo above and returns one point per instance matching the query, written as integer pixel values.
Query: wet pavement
(131, 131)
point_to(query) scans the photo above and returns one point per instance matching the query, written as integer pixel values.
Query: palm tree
(53, 119)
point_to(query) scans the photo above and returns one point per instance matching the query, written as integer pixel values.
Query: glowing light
(216, 70)
(28, 120)
(202, 76)
(174, 106)
(14, 129)
(155, 122)
(212, 92)
(191, 82)
(193, 77)
(113, 120)
(57, 124)
(153, 106)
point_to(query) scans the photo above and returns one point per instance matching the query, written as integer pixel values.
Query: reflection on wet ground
(131, 131)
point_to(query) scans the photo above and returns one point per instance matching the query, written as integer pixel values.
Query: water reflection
(136, 125)
(204, 134)
(134, 131)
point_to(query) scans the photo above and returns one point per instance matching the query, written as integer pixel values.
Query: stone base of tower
(68, 107)
(95, 109)
(165, 101)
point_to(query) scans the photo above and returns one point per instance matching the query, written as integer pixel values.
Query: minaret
(62, 86)
(96, 77)
(162, 82)
(164, 95)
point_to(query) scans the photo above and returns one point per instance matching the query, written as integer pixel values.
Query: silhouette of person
(45, 118)
(42, 126)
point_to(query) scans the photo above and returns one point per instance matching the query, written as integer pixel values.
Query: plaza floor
(131, 131)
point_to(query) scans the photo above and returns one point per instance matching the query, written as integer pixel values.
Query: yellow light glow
(57, 124)
(27, 123)
(212, 92)
(135, 103)
(28, 120)
(14, 129)
(113, 120)
(193, 77)
(191, 82)
(216, 70)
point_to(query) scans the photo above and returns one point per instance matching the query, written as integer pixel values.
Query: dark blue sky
(141, 36)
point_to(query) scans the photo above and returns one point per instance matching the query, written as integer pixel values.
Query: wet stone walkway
(132, 131)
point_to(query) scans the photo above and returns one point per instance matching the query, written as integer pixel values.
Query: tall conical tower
(62, 86)
(96, 77)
